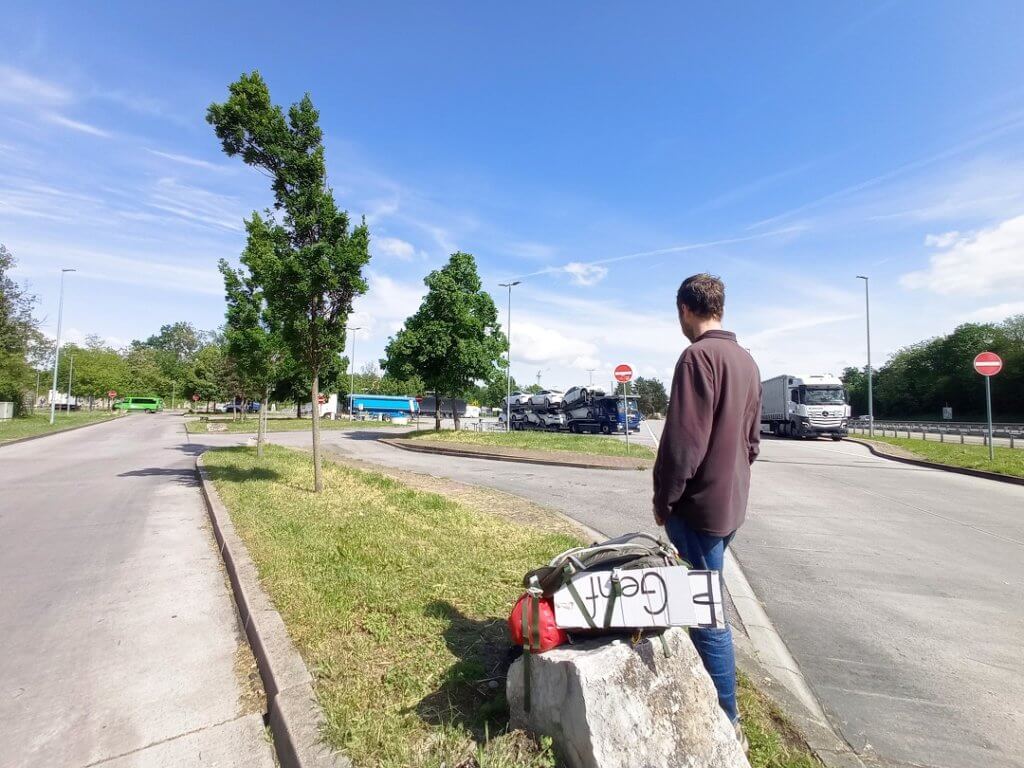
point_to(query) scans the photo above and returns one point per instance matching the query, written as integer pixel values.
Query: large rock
(607, 703)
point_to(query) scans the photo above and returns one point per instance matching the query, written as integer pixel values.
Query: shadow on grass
(472, 693)
(238, 475)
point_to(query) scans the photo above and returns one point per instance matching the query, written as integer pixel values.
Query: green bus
(147, 404)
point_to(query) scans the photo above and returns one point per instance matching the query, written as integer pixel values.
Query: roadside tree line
(919, 379)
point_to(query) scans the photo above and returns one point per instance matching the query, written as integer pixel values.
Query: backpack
(532, 621)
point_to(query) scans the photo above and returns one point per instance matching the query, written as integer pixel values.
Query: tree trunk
(437, 413)
(298, 410)
(261, 426)
(318, 482)
(455, 415)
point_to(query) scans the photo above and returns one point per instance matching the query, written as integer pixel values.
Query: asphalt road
(118, 634)
(899, 590)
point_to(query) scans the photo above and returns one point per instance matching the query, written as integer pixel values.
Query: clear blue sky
(605, 152)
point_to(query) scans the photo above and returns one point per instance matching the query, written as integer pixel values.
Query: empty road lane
(120, 641)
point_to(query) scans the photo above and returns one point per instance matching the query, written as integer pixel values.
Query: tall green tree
(176, 346)
(143, 374)
(252, 341)
(453, 340)
(19, 335)
(651, 395)
(310, 266)
(212, 375)
(96, 369)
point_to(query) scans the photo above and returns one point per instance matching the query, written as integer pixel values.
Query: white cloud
(383, 309)
(393, 247)
(76, 125)
(585, 274)
(186, 160)
(197, 205)
(585, 363)
(798, 323)
(19, 87)
(942, 241)
(543, 344)
(997, 312)
(975, 264)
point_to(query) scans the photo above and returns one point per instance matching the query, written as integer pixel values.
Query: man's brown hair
(702, 294)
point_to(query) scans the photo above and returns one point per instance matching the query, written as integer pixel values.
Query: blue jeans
(706, 552)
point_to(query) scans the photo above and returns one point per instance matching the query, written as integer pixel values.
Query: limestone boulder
(608, 703)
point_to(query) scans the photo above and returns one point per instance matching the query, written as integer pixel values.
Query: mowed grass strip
(251, 424)
(537, 441)
(774, 743)
(39, 423)
(1008, 461)
(397, 601)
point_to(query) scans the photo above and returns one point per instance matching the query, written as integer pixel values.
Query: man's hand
(658, 519)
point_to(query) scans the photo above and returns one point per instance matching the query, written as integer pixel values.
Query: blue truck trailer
(386, 407)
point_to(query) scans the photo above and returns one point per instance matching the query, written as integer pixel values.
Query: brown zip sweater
(711, 436)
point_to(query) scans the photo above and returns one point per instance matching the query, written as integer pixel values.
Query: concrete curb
(296, 720)
(407, 445)
(59, 431)
(983, 474)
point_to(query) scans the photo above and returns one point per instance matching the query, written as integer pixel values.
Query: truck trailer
(386, 407)
(804, 406)
(589, 411)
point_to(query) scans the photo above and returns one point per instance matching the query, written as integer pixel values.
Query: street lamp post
(352, 370)
(56, 351)
(508, 371)
(591, 372)
(867, 316)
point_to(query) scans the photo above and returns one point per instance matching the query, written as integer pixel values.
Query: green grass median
(1008, 461)
(39, 423)
(537, 441)
(251, 422)
(397, 599)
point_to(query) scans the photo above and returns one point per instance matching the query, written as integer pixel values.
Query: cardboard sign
(651, 597)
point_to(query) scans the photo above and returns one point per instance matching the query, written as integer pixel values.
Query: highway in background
(898, 589)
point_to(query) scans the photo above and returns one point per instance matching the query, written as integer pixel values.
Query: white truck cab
(804, 406)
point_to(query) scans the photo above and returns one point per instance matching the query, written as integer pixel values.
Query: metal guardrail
(946, 431)
(966, 427)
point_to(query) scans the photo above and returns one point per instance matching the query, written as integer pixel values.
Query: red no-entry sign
(195, 398)
(623, 373)
(988, 363)
(112, 393)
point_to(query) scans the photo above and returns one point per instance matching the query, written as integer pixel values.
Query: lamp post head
(68, 270)
(510, 285)
(861, 277)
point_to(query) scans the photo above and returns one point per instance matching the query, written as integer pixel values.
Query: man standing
(702, 473)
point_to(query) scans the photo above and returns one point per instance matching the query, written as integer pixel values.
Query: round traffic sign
(195, 398)
(112, 393)
(623, 373)
(322, 399)
(988, 363)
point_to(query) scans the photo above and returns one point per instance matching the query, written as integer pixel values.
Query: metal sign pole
(988, 408)
(625, 414)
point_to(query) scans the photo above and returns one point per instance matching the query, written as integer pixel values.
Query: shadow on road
(184, 475)
(472, 691)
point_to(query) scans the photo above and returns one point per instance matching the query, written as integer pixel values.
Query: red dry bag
(532, 624)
